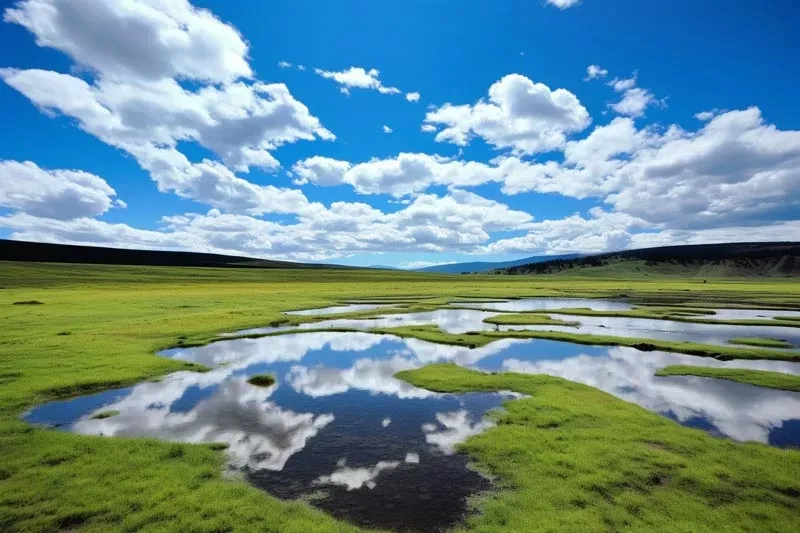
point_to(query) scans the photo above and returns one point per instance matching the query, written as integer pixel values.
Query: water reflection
(725, 408)
(533, 304)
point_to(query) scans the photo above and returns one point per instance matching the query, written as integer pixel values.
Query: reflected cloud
(356, 478)
(259, 433)
(457, 427)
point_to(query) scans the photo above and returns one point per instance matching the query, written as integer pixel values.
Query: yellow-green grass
(572, 458)
(761, 341)
(528, 319)
(761, 378)
(119, 316)
(102, 415)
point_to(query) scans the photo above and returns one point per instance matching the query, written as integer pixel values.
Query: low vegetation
(528, 319)
(760, 341)
(261, 380)
(572, 458)
(761, 378)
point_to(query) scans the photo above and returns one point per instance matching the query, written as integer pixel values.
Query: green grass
(105, 414)
(761, 378)
(572, 458)
(528, 319)
(663, 313)
(261, 380)
(119, 316)
(759, 341)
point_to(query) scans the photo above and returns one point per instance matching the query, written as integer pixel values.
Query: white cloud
(405, 174)
(356, 478)
(413, 265)
(634, 99)
(412, 97)
(520, 114)
(594, 72)
(357, 77)
(301, 67)
(387, 129)
(141, 53)
(143, 40)
(55, 194)
(563, 4)
(284, 64)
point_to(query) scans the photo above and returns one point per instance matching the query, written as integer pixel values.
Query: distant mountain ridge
(68, 253)
(754, 259)
(485, 266)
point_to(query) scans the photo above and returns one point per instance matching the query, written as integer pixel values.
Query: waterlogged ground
(338, 430)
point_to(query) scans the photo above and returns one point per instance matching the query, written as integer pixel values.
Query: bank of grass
(572, 458)
(119, 316)
(528, 319)
(760, 378)
(761, 341)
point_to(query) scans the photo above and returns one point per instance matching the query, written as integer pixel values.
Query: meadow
(72, 329)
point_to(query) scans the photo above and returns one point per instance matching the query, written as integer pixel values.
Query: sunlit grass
(761, 378)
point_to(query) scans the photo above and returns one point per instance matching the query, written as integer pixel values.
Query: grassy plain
(760, 378)
(99, 326)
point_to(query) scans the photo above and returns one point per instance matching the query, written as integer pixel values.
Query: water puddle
(535, 304)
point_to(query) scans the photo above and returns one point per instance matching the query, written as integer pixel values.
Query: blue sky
(514, 128)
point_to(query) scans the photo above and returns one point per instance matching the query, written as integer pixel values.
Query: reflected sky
(348, 308)
(533, 304)
(375, 450)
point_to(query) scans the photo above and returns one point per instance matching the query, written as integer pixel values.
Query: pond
(338, 430)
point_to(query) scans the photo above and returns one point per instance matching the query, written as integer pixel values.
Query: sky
(399, 133)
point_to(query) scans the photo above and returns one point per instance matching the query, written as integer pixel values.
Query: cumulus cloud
(387, 129)
(55, 194)
(358, 78)
(635, 100)
(412, 97)
(142, 40)
(520, 114)
(139, 53)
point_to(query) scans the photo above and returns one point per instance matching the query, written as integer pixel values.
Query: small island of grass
(527, 319)
(261, 380)
(759, 378)
(761, 341)
(105, 414)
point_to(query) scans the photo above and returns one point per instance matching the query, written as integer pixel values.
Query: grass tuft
(261, 380)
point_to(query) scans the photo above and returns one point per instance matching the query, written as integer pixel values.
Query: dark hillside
(67, 253)
(762, 259)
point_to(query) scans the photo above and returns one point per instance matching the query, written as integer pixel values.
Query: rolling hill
(67, 253)
(484, 266)
(760, 259)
